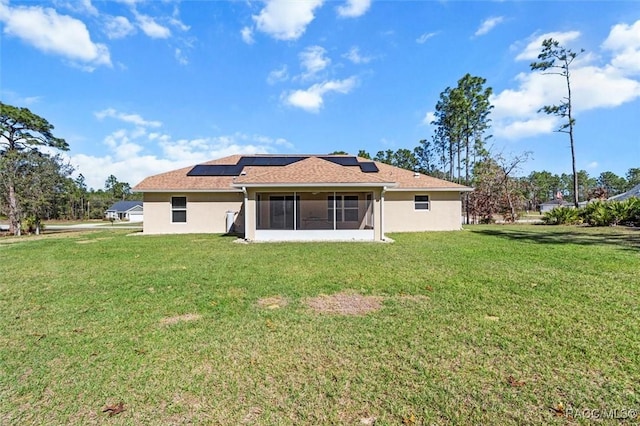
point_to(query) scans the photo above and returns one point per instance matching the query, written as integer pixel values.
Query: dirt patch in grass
(273, 302)
(345, 304)
(180, 318)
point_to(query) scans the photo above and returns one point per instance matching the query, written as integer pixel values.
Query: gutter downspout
(246, 211)
(384, 189)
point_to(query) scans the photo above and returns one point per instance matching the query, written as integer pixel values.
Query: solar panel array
(269, 161)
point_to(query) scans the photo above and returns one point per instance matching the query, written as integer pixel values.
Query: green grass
(84, 315)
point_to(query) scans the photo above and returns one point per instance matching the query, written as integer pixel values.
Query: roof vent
(416, 174)
(242, 173)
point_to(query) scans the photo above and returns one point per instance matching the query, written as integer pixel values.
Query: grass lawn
(493, 325)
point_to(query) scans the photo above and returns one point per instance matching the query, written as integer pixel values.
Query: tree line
(36, 185)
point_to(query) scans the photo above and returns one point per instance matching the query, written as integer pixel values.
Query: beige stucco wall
(206, 212)
(444, 212)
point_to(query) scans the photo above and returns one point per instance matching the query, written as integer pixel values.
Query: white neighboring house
(552, 204)
(126, 210)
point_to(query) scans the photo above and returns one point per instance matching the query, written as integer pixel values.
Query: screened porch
(338, 215)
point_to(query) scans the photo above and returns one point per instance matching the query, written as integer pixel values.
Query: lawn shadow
(622, 237)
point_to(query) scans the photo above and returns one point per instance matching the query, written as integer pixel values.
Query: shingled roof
(233, 172)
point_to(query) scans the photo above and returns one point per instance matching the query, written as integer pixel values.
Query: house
(299, 197)
(633, 192)
(552, 204)
(126, 210)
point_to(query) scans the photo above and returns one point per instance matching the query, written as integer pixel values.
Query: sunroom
(346, 214)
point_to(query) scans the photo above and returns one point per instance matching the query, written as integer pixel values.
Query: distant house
(299, 197)
(552, 204)
(633, 192)
(126, 210)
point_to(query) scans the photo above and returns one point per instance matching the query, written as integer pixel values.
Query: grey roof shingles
(124, 206)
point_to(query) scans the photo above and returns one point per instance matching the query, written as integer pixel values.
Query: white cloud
(354, 56)
(286, 19)
(424, 37)
(247, 35)
(81, 6)
(53, 33)
(515, 112)
(428, 118)
(150, 27)
(180, 56)
(519, 129)
(488, 24)
(129, 160)
(624, 42)
(127, 118)
(354, 8)
(532, 50)
(311, 99)
(623, 36)
(592, 165)
(179, 24)
(118, 27)
(313, 60)
(276, 76)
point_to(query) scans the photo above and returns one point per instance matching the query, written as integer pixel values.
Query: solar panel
(342, 161)
(369, 167)
(215, 170)
(235, 169)
(269, 161)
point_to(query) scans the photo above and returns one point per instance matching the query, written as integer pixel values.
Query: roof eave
(315, 185)
(181, 190)
(431, 189)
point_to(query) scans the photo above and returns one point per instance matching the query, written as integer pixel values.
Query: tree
(405, 159)
(462, 118)
(558, 59)
(364, 154)
(633, 178)
(495, 190)
(22, 130)
(424, 154)
(543, 186)
(612, 183)
(339, 153)
(118, 190)
(39, 180)
(384, 156)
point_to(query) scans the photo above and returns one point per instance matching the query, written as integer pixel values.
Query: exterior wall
(400, 215)
(206, 212)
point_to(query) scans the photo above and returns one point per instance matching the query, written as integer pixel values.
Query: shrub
(562, 216)
(632, 216)
(30, 225)
(612, 213)
(597, 213)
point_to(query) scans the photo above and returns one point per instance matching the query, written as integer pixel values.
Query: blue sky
(142, 87)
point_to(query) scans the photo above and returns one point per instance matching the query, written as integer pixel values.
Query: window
(346, 208)
(421, 202)
(178, 209)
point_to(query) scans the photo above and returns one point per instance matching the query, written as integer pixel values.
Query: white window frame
(179, 209)
(339, 206)
(423, 203)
